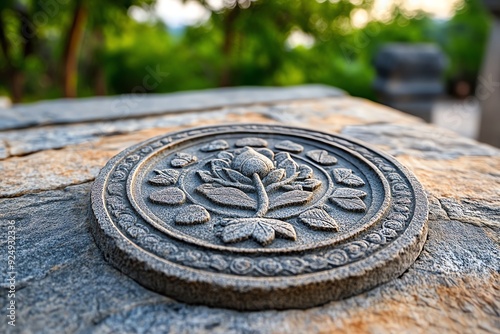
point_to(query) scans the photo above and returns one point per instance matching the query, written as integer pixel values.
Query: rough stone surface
(137, 105)
(64, 284)
(420, 141)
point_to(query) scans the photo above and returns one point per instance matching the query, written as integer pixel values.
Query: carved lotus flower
(263, 182)
(270, 191)
(250, 162)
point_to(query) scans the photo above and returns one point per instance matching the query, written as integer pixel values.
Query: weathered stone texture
(64, 284)
(66, 111)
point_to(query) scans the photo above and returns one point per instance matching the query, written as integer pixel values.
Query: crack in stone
(38, 191)
(455, 211)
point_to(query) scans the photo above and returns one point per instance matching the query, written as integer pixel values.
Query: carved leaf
(322, 157)
(267, 153)
(218, 168)
(279, 157)
(182, 159)
(283, 229)
(349, 199)
(236, 231)
(305, 172)
(169, 196)
(165, 177)
(225, 156)
(215, 145)
(319, 219)
(347, 193)
(205, 176)
(351, 204)
(289, 166)
(273, 177)
(227, 196)
(192, 214)
(346, 176)
(291, 198)
(263, 233)
(310, 184)
(262, 230)
(290, 146)
(237, 176)
(251, 141)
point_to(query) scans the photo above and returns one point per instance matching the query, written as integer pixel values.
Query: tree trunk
(227, 47)
(17, 86)
(72, 49)
(100, 87)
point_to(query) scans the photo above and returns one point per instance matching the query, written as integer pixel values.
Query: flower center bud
(255, 165)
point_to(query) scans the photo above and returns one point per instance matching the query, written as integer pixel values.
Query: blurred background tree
(62, 48)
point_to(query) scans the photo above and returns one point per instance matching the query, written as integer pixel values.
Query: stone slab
(138, 105)
(420, 140)
(66, 286)
(345, 110)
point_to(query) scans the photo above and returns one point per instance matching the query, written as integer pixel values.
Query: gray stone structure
(64, 284)
(409, 77)
(488, 90)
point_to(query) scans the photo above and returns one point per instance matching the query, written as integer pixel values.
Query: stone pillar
(409, 77)
(488, 88)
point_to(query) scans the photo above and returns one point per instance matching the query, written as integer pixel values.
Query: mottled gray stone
(21, 142)
(458, 248)
(473, 212)
(4, 152)
(419, 140)
(139, 105)
(30, 140)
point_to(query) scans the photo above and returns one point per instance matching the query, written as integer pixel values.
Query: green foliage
(236, 46)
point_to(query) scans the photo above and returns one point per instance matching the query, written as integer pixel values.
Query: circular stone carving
(258, 216)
